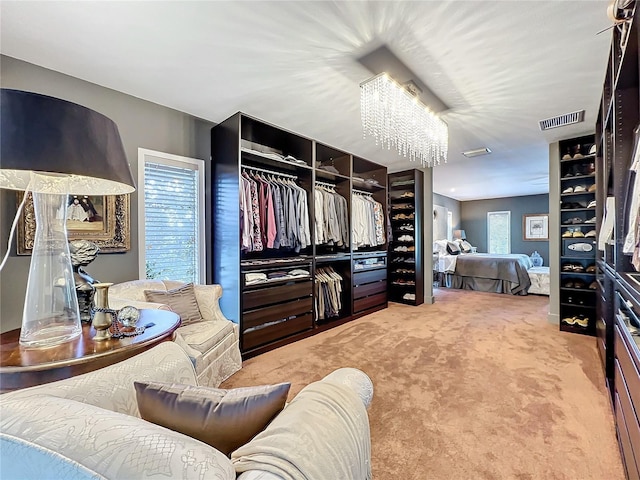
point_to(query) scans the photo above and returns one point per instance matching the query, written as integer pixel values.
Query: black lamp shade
(44, 134)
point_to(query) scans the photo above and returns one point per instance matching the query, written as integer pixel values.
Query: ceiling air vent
(562, 120)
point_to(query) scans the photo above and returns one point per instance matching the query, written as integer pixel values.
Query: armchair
(212, 344)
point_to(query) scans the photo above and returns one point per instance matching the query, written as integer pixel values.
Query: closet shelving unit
(618, 323)
(578, 228)
(406, 250)
(280, 311)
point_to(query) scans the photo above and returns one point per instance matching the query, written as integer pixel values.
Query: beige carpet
(476, 386)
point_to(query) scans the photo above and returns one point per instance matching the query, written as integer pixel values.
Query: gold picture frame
(106, 222)
(535, 227)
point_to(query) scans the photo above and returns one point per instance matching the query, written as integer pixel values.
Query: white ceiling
(500, 65)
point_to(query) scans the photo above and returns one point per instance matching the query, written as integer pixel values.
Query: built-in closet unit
(280, 287)
(618, 325)
(578, 224)
(406, 249)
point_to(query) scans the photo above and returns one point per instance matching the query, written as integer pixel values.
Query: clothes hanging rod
(361, 192)
(318, 182)
(246, 167)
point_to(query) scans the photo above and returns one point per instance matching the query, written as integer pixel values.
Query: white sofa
(89, 427)
(213, 344)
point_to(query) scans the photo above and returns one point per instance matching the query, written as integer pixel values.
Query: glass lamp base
(51, 314)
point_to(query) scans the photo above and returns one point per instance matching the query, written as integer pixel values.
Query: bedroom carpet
(476, 386)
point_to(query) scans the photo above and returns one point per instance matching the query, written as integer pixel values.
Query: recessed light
(477, 152)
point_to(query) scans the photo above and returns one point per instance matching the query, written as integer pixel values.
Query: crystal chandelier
(395, 117)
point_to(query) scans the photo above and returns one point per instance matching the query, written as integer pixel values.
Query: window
(171, 217)
(499, 232)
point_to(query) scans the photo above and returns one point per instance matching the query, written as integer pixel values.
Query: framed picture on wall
(102, 219)
(535, 226)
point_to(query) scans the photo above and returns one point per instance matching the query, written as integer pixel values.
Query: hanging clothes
(274, 213)
(331, 220)
(368, 223)
(328, 285)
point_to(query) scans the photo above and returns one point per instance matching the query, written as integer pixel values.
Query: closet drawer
(261, 316)
(369, 289)
(628, 410)
(367, 277)
(275, 294)
(625, 443)
(369, 302)
(276, 331)
(628, 367)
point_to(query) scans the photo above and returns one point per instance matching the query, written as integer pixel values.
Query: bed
(485, 272)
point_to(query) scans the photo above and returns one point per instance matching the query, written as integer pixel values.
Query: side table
(22, 367)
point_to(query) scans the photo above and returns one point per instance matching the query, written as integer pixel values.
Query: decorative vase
(103, 316)
(536, 259)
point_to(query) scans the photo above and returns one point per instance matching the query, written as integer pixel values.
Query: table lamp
(52, 148)
(459, 235)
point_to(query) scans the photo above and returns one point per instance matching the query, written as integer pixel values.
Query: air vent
(562, 120)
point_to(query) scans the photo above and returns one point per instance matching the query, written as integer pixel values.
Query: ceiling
(499, 65)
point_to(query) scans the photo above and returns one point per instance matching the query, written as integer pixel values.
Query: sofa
(213, 344)
(89, 426)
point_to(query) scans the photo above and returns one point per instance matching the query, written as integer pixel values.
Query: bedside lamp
(52, 148)
(459, 235)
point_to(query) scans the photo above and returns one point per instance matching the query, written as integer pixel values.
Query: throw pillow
(224, 419)
(181, 300)
(465, 246)
(453, 248)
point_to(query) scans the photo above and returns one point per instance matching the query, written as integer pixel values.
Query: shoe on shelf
(593, 285)
(581, 247)
(578, 284)
(592, 220)
(579, 189)
(592, 204)
(568, 234)
(592, 188)
(567, 267)
(591, 268)
(576, 152)
(568, 284)
(575, 220)
(592, 150)
(578, 234)
(591, 234)
(568, 190)
(582, 320)
(577, 268)
(569, 320)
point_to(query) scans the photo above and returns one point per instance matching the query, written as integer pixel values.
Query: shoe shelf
(577, 250)
(406, 266)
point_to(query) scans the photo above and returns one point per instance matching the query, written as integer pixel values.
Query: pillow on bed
(465, 246)
(440, 247)
(453, 248)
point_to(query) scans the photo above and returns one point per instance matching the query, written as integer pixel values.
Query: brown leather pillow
(224, 419)
(181, 300)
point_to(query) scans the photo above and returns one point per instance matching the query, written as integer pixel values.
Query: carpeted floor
(476, 386)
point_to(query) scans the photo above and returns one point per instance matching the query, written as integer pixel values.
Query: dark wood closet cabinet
(618, 314)
(282, 292)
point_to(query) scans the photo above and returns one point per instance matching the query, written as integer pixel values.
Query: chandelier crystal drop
(396, 118)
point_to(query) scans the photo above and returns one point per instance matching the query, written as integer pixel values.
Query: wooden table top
(21, 366)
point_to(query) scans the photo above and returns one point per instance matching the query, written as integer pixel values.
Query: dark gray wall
(450, 204)
(474, 221)
(141, 124)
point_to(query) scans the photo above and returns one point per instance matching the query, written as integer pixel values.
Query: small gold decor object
(103, 316)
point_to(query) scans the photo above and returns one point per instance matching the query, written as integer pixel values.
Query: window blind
(171, 221)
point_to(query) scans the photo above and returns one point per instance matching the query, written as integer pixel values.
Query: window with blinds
(173, 218)
(499, 232)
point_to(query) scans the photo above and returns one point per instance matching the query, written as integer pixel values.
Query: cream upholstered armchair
(212, 343)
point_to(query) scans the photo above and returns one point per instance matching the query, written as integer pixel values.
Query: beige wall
(141, 124)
